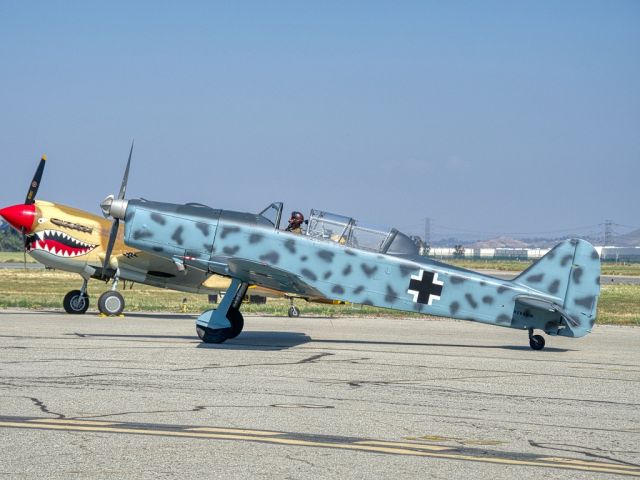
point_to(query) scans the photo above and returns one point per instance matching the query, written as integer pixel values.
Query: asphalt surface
(141, 397)
(15, 266)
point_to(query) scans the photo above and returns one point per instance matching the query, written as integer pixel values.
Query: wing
(270, 277)
(142, 267)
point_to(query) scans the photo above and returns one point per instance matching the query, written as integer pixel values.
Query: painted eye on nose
(42, 220)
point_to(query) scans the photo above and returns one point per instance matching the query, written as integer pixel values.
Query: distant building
(619, 254)
(610, 254)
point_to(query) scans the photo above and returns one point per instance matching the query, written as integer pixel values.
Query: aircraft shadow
(246, 341)
(284, 340)
(262, 341)
(424, 344)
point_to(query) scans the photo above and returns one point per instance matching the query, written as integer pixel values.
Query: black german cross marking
(425, 287)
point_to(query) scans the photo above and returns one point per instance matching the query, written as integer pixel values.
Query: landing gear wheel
(536, 342)
(237, 322)
(210, 335)
(111, 303)
(294, 311)
(75, 302)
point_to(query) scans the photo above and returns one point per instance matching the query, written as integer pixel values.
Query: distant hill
(631, 239)
(500, 242)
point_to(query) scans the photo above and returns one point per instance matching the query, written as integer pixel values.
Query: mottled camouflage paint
(247, 247)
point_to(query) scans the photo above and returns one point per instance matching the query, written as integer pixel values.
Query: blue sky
(484, 116)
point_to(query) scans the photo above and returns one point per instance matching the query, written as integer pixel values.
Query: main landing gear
(535, 341)
(226, 321)
(76, 301)
(111, 303)
(294, 311)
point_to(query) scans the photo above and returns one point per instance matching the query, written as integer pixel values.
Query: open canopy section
(352, 233)
(273, 213)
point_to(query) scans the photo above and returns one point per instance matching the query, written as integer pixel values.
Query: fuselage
(250, 248)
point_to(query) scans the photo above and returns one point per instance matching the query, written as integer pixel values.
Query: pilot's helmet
(296, 218)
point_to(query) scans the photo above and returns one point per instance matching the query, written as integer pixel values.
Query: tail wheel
(111, 303)
(536, 342)
(75, 302)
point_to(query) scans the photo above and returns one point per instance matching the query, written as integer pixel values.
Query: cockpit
(347, 231)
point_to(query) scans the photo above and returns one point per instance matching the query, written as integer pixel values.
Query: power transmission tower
(608, 232)
(427, 231)
(608, 236)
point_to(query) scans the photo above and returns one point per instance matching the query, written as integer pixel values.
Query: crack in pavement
(311, 359)
(43, 407)
(449, 390)
(196, 408)
(289, 457)
(508, 372)
(580, 450)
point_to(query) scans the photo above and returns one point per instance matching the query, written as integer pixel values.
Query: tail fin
(570, 273)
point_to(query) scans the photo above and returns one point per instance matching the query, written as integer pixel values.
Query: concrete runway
(141, 397)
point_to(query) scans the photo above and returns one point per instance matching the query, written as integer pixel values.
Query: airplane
(340, 259)
(76, 241)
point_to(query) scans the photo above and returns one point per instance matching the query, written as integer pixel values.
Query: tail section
(566, 281)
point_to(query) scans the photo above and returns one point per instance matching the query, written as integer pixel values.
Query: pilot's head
(296, 219)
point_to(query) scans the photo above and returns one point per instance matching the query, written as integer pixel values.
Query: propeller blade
(112, 240)
(35, 183)
(106, 207)
(125, 178)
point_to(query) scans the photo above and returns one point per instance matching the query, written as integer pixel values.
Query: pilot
(295, 222)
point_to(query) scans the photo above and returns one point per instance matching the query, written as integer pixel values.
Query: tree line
(10, 240)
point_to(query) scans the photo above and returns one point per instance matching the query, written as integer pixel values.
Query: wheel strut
(225, 322)
(536, 342)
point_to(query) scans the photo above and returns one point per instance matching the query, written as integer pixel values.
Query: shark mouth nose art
(59, 243)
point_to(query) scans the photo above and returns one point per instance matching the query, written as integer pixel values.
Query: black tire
(237, 322)
(536, 342)
(294, 311)
(75, 303)
(209, 335)
(111, 303)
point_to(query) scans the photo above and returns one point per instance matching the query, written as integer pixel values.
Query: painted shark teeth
(60, 244)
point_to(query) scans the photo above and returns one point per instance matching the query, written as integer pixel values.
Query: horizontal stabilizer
(547, 305)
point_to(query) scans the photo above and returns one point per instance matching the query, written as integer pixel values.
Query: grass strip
(39, 289)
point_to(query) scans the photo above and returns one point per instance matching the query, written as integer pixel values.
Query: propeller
(30, 200)
(107, 206)
(22, 217)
